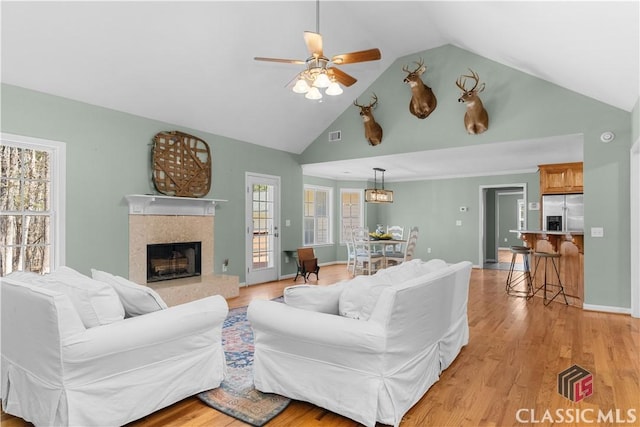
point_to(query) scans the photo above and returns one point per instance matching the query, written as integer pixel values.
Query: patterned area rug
(236, 396)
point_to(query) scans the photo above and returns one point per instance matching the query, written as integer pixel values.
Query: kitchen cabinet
(561, 178)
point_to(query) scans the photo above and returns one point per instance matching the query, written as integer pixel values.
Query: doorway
(263, 224)
(502, 208)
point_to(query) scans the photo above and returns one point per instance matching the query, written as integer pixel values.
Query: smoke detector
(607, 137)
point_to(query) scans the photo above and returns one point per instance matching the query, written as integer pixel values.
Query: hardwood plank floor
(509, 368)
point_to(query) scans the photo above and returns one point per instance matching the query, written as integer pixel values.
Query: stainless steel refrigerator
(563, 212)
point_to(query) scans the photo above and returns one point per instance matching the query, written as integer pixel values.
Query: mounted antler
(423, 100)
(372, 130)
(476, 119)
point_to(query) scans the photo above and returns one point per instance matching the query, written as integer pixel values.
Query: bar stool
(555, 260)
(516, 278)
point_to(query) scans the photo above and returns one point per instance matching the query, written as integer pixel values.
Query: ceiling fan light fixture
(321, 80)
(334, 89)
(301, 86)
(318, 72)
(313, 93)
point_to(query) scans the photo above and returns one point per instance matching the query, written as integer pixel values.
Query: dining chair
(365, 256)
(397, 231)
(351, 252)
(409, 249)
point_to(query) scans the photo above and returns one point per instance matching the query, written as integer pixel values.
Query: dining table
(374, 244)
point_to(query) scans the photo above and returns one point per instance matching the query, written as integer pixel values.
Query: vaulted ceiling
(191, 63)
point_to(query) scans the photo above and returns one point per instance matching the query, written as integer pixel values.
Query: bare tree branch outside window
(25, 211)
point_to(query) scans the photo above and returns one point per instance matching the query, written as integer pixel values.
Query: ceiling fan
(319, 74)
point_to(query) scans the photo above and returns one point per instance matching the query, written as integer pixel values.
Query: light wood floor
(515, 352)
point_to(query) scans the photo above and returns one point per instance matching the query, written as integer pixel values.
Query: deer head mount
(476, 119)
(423, 100)
(372, 130)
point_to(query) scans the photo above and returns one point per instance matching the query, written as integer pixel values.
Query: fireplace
(155, 219)
(168, 261)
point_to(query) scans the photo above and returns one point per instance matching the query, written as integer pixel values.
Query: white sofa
(367, 348)
(73, 355)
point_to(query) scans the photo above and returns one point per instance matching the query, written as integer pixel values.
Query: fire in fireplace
(166, 261)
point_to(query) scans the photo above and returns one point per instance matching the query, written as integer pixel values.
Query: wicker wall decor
(181, 165)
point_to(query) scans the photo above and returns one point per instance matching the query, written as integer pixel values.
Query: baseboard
(606, 309)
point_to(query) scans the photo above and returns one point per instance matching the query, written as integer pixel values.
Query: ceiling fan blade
(360, 56)
(341, 77)
(286, 61)
(314, 43)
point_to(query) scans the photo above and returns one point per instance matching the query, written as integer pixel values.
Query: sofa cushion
(136, 299)
(432, 265)
(96, 302)
(25, 277)
(360, 295)
(406, 271)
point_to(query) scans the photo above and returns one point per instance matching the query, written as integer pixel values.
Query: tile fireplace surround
(157, 225)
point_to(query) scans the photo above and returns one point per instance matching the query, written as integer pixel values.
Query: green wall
(520, 107)
(108, 157)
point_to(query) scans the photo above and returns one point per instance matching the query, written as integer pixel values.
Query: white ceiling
(191, 63)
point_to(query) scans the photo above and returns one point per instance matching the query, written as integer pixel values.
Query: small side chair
(307, 264)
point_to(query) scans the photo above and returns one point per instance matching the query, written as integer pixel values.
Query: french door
(262, 227)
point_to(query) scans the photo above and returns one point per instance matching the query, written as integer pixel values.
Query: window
(31, 204)
(317, 215)
(351, 212)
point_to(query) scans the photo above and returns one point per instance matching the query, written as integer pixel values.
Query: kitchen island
(570, 246)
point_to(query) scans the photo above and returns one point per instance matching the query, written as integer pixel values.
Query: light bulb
(322, 80)
(301, 86)
(334, 89)
(313, 93)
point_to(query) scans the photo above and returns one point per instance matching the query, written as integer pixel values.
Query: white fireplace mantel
(152, 204)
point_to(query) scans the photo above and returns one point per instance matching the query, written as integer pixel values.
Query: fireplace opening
(167, 261)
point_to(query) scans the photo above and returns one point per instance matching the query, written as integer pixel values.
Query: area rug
(236, 396)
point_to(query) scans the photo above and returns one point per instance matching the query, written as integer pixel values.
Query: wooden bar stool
(517, 278)
(555, 260)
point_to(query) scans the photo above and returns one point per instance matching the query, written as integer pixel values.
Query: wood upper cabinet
(561, 178)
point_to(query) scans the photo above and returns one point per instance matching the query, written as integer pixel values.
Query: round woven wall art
(181, 165)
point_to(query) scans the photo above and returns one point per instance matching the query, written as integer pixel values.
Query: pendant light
(375, 194)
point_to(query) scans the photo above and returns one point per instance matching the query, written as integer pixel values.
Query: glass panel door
(262, 228)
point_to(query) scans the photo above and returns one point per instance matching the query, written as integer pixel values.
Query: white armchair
(56, 371)
(368, 348)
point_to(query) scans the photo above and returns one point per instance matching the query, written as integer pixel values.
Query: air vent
(335, 136)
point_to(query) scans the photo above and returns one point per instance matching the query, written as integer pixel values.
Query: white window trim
(58, 152)
(351, 190)
(330, 214)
